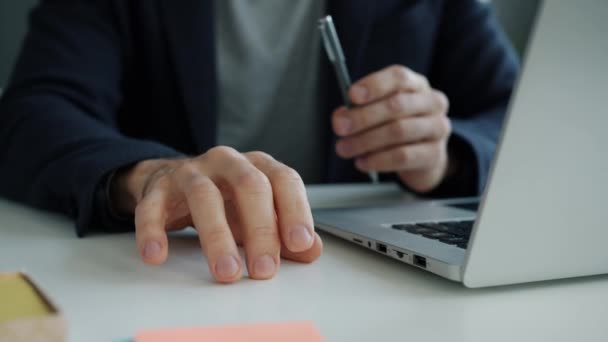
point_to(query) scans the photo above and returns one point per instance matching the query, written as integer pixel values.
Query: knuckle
(259, 155)
(186, 170)
(220, 152)
(401, 74)
(261, 160)
(445, 126)
(253, 180)
(263, 232)
(425, 82)
(441, 100)
(285, 173)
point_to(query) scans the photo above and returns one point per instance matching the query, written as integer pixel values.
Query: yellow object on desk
(20, 299)
(26, 314)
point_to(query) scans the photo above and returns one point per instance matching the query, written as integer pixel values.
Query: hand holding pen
(393, 121)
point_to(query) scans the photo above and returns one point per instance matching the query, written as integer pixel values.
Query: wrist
(425, 181)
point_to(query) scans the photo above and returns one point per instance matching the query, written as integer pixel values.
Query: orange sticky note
(264, 332)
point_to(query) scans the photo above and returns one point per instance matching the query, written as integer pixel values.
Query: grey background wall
(516, 16)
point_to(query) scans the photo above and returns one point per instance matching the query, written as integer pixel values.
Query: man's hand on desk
(398, 123)
(231, 199)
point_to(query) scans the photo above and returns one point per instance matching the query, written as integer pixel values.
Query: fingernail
(343, 125)
(300, 237)
(361, 163)
(344, 149)
(226, 266)
(264, 267)
(360, 93)
(152, 249)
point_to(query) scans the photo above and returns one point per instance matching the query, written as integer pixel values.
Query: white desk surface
(352, 294)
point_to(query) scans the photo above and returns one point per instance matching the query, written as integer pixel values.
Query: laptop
(544, 212)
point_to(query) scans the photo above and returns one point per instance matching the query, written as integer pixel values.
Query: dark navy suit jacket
(102, 84)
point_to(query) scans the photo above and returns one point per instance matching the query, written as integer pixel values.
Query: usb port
(419, 261)
(380, 247)
(358, 240)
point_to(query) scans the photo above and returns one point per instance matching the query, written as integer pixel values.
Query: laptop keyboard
(455, 233)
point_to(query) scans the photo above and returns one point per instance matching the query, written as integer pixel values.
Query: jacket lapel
(190, 35)
(353, 20)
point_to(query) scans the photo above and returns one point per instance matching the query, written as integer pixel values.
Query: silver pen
(336, 57)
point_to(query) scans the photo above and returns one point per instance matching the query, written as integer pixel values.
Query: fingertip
(227, 269)
(314, 252)
(344, 149)
(154, 252)
(264, 267)
(317, 246)
(299, 239)
(309, 256)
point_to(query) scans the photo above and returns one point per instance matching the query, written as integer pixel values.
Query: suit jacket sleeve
(476, 67)
(58, 131)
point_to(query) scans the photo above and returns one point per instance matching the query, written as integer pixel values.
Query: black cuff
(463, 181)
(106, 217)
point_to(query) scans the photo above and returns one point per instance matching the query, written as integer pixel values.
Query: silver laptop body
(544, 214)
